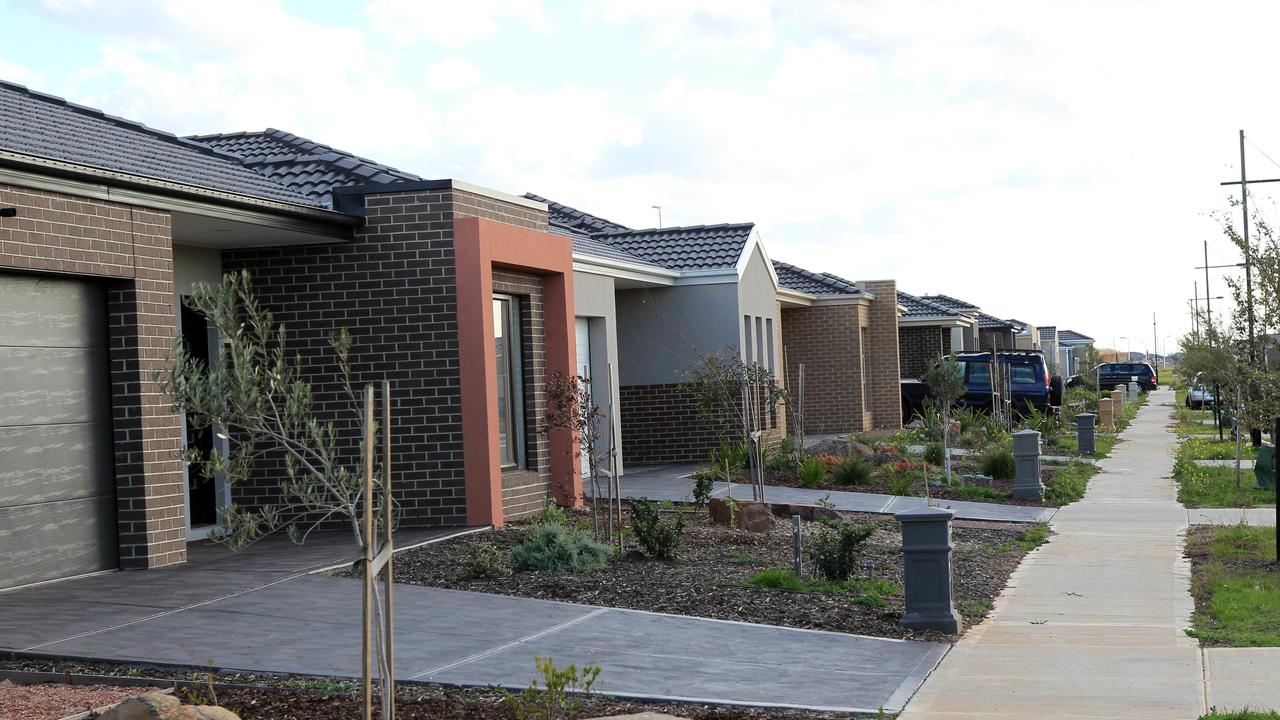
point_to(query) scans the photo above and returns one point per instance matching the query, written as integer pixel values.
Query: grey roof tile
(695, 247)
(33, 123)
(569, 218)
(1071, 336)
(950, 302)
(922, 307)
(1048, 334)
(584, 245)
(805, 281)
(305, 166)
(991, 322)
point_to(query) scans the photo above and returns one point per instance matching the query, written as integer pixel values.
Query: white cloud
(13, 72)
(692, 26)
(452, 74)
(454, 24)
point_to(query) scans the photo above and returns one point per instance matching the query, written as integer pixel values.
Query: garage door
(57, 485)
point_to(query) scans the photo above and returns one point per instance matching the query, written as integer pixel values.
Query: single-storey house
(929, 327)
(460, 295)
(1076, 344)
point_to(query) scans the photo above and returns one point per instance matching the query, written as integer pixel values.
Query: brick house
(458, 294)
(1073, 348)
(845, 334)
(658, 300)
(931, 326)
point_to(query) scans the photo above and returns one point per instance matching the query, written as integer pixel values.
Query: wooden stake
(389, 702)
(369, 538)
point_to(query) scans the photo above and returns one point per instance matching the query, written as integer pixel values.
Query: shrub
(934, 454)
(904, 466)
(550, 514)
(900, 483)
(553, 547)
(733, 453)
(659, 538)
(930, 421)
(835, 551)
(780, 455)
(778, 579)
(559, 698)
(486, 560)
(999, 464)
(812, 472)
(853, 471)
(829, 460)
(704, 483)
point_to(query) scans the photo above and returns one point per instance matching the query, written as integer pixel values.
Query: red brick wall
(826, 340)
(131, 249)
(883, 371)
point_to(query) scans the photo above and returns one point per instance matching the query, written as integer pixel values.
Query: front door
(205, 493)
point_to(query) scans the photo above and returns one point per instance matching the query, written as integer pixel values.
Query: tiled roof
(696, 247)
(584, 245)
(302, 165)
(574, 219)
(34, 123)
(1049, 334)
(921, 307)
(991, 322)
(1020, 325)
(805, 281)
(950, 302)
(1071, 336)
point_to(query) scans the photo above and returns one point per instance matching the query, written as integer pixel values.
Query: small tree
(256, 395)
(570, 407)
(945, 381)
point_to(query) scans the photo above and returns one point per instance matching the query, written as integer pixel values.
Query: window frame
(510, 322)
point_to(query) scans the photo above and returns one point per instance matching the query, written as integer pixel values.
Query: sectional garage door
(57, 486)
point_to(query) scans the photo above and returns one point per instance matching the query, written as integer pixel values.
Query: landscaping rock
(718, 509)
(810, 513)
(953, 434)
(863, 450)
(144, 707)
(835, 446)
(754, 517)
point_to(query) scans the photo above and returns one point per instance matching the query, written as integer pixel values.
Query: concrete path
(1093, 623)
(672, 482)
(1245, 463)
(263, 612)
(1260, 517)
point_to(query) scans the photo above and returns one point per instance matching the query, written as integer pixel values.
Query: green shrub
(812, 472)
(550, 514)
(778, 579)
(930, 421)
(935, 454)
(733, 453)
(659, 538)
(835, 551)
(553, 547)
(486, 560)
(900, 483)
(853, 471)
(704, 483)
(999, 464)
(780, 455)
(559, 697)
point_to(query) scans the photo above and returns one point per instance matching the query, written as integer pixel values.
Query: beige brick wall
(826, 339)
(884, 395)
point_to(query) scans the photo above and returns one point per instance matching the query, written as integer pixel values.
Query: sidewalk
(1092, 623)
(672, 482)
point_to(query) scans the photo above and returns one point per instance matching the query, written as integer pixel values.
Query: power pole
(1248, 255)
(1195, 316)
(659, 209)
(1155, 342)
(1208, 304)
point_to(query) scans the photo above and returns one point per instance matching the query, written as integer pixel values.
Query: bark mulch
(51, 701)
(709, 577)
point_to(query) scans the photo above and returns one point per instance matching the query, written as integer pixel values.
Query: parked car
(1112, 374)
(1029, 382)
(1198, 394)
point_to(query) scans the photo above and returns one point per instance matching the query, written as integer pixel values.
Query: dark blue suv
(1025, 372)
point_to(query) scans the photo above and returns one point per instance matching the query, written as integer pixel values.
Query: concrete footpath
(266, 611)
(1092, 624)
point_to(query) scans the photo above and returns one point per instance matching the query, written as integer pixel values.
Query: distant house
(1075, 344)
(930, 327)
(653, 303)
(997, 334)
(1027, 336)
(845, 334)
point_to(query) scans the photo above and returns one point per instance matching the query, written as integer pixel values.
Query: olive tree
(945, 380)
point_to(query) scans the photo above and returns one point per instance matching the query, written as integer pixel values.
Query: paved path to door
(672, 482)
(264, 612)
(1093, 622)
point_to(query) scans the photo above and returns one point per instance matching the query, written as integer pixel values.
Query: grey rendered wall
(664, 330)
(195, 264)
(593, 298)
(758, 297)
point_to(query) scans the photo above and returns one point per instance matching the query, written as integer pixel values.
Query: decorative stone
(810, 513)
(861, 449)
(1084, 432)
(926, 570)
(1106, 414)
(144, 707)
(720, 512)
(953, 433)
(753, 517)
(1026, 457)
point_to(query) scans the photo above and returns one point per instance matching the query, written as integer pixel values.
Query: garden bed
(295, 697)
(1215, 487)
(1236, 585)
(710, 578)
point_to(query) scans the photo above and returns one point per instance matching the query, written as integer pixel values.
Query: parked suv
(1199, 396)
(1112, 374)
(1029, 382)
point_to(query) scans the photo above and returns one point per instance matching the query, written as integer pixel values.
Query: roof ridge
(568, 209)
(119, 121)
(675, 228)
(303, 144)
(832, 281)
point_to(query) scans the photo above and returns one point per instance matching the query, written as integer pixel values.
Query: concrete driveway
(266, 613)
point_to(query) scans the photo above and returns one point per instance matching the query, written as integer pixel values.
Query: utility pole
(1155, 342)
(1208, 304)
(1195, 313)
(1248, 259)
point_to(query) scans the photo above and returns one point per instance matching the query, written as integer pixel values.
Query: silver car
(1198, 395)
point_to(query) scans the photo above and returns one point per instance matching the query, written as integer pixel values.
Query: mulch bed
(281, 697)
(1197, 551)
(51, 701)
(709, 577)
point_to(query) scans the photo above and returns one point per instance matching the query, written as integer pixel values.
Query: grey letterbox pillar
(1026, 456)
(1133, 391)
(926, 570)
(1084, 432)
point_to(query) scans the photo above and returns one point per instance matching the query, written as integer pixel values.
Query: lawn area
(1236, 585)
(1214, 449)
(1243, 715)
(1214, 487)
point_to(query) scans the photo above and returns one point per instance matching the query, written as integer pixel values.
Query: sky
(1057, 162)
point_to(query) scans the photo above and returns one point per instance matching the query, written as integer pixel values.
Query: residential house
(1026, 337)
(1076, 346)
(670, 297)
(460, 295)
(930, 327)
(845, 336)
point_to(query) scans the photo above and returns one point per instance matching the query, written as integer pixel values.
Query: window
(1023, 375)
(768, 334)
(506, 348)
(746, 339)
(760, 360)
